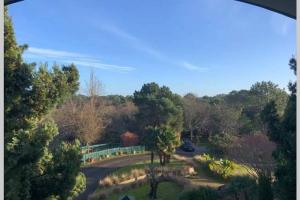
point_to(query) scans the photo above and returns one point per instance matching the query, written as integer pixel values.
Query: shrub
(115, 179)
(243, 186)
(106, 182)
(204, 158)
(221, 168)
(187, 170)
(199, 194)
(137, 173)
(80, 185)
(129, 139)
(124, 177)
(264, 187)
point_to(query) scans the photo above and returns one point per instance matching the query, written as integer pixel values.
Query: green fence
(101, 154)
(98, 147)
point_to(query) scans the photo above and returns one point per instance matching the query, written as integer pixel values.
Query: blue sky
(202, 46)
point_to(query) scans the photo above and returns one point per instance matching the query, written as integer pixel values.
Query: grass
(207, 177)
(241, 170)
(166, 191)
(238, 169)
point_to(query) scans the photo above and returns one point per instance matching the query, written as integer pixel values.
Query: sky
(205, 47)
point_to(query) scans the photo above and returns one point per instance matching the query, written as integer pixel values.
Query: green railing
(111, 152)
(98, 147)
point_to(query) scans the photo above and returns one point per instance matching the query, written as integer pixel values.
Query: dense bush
(108, 181)
(129, 139)
(222, 168)
(199, 194)
(243, 187)
(80, 185)
(265, 191)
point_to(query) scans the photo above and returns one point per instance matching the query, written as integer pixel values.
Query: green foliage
(79, 186)
(162, 140)
(167, 140)
(204, 158)
(220, 142)
(222, 168)
(199, 194)
(265, 191)
(239, 111)
(242, 185)
(158, 106)
(282, 131)
(33, 168)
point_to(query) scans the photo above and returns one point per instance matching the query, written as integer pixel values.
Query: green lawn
(204, 171)
(207, 177)
(166, 191)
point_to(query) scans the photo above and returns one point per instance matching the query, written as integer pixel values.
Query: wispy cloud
(72, 57)
(142, 46)
(193, 67)
(52, 53)
(280, 24)
(134, 41)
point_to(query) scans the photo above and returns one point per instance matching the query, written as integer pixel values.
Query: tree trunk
(168, 157)
(164, 160)
(152, 157)
(153, 189)
(191, 134)
(160, 159)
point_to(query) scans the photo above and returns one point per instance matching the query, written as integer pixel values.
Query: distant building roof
(285, 7)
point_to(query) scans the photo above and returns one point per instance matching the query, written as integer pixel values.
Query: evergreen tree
(283, 132)
(33, 168)
(158, 106)
(265, 191)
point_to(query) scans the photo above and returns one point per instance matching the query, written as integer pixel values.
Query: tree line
(46, 122)
(95, 119)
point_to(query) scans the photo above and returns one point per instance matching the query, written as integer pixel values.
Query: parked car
(187, 146)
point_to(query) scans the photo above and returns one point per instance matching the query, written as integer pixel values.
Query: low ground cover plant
(116, 179)
(222, 168)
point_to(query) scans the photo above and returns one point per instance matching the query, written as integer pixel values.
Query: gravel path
(99, 170)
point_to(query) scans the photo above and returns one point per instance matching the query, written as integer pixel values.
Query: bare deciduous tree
(254, 151)
(195, 114)
(83, 119)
